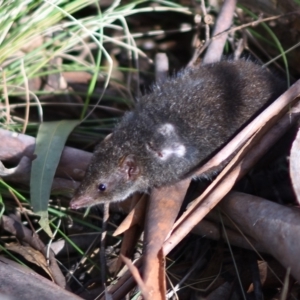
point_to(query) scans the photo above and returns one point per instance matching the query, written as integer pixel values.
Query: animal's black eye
(102, 187)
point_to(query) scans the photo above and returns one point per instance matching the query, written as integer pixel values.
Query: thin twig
(22, 210)
(6, 98)
(102, 247)
(26, 118)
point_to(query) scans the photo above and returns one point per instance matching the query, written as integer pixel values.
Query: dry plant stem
(27, 97)
(25, 235)
(251, 24)
(102, 246)
(239, 166)
(125, 283)
(224, 21)
(135, 273)
(201, 47)
(23, 211)
(240, 48)
(243, 26)
(5, 93)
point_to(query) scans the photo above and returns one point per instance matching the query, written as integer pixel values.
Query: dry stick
(201, 48)
(253, 23)
(135, 273)
(224, 21)
(125, 283)
(5, 93)
(102, 247)
(22, 211)
(27, 97)
(228, 177)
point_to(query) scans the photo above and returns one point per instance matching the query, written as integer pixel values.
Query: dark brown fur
(176, 128)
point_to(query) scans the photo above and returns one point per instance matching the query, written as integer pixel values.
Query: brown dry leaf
(129, 241)
(31, 255)
(295, 166)
(164, 206)
(132, 225)
(135, 217)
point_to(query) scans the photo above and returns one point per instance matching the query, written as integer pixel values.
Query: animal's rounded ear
(129, 166)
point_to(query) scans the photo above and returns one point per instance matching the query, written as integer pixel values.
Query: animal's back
(214, 100)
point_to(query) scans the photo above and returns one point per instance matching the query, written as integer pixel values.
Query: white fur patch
(177, 150)
(168, 145)
(166, 129)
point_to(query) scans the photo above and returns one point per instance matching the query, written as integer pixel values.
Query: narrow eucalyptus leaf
(50, 143)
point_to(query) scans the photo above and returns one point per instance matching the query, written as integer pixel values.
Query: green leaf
(50, 143)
